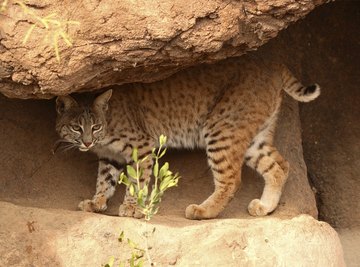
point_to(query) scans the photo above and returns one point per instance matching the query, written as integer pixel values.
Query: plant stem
(147, 245)
(137, 175)
(156, 177)
(157, 162)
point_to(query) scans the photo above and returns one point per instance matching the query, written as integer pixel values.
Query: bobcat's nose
(87, 144)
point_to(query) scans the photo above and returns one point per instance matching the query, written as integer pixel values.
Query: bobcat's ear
(102, 101)
(64, 103)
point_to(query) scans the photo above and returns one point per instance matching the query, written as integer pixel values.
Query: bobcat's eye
(96, 127)
(76, 128)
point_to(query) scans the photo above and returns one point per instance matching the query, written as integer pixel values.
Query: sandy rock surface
(38, 237)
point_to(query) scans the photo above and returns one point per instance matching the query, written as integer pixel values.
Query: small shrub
(148, 202)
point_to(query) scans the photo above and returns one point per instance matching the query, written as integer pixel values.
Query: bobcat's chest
(110, 147)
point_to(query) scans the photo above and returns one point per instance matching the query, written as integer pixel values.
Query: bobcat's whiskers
(64, 145)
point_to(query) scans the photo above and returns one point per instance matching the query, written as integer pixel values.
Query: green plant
(137, 254)
(148, 202)
(55, 28)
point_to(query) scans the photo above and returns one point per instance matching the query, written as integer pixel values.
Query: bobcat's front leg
(129, 206)
(108, 176)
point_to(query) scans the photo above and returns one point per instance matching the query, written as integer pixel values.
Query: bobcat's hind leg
(108, 176)
(225, 148)
(267, 161)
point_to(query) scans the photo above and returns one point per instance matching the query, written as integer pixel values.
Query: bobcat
(230, 109)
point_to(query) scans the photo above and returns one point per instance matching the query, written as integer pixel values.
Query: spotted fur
(229, 109)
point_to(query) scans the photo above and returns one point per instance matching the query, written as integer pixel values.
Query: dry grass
(55, 28)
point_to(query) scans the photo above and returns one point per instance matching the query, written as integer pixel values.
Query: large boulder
(128, 41)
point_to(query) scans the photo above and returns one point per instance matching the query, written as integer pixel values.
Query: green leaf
(131, 244)
(154, 192)
(140, 254)
(140, 194)
(164, 184)
(132, 190)
(156, 202)
(132, 261)
(111, 262)
(135, 154)
(145, 190)
(140, 202)
(131, 171)
(172, 183)
(162, 140)
(121, 236)
(156, 169)
(124, 179)
(164, 169)
(163, 152)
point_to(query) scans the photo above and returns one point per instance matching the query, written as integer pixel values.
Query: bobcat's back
(233, 91)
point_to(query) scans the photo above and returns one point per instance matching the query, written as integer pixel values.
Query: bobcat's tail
(296, 90)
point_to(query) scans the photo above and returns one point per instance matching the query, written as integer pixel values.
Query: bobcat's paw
(195, 212)
(130, 210)
(92, 205)
(258, 208)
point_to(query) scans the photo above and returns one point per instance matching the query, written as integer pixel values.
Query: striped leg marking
(267, 161)
(108, 175)
(225, 151)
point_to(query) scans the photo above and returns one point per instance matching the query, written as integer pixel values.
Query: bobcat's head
(82, 126)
